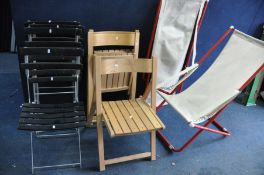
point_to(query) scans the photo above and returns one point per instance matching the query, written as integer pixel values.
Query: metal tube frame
(39, 134)
(33, 167)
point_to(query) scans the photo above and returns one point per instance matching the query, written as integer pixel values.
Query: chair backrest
(102, 43)
(106, 65)
(49, 76)
(239, 61)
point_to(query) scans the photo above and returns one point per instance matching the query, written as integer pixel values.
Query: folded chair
(125, 117)
(238, 63)
(55, 79)
(44, 33)
(109, 43)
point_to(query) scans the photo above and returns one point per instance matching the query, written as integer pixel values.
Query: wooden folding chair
(125, 117)
(99, 43)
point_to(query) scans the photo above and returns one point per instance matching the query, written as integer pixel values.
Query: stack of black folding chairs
(52, 62)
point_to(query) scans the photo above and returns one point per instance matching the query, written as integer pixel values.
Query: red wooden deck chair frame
(221, 130)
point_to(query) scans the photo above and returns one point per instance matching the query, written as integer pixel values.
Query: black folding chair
(49, 74)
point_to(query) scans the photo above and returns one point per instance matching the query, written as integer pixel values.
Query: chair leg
(33, 167)
(100, 144)
(153, 145)
(80, 150)
(219, 126)
(32, 152)
(201, 129)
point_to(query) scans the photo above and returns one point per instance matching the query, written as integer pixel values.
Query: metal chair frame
(36, 100)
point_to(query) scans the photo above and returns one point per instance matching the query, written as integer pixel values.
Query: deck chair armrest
(189, 69)
(183, 76)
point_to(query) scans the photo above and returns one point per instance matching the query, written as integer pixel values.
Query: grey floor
(211, 154)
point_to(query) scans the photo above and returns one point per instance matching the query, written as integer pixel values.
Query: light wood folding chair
(112, 82)
(125, 117)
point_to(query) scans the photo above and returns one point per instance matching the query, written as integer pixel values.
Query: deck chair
(238, 63)
(109, 43)
(54, 79)
(125, 117)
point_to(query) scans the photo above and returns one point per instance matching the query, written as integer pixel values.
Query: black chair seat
(48, 117)
(52, 44)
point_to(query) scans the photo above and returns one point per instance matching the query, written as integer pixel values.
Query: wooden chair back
(106, 65)
(110, 82)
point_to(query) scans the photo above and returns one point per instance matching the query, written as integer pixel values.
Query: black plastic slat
(36, 127)
(55, 26)
(48, 58)
(65, 105)
(52, 79)
(50, 65)
(52, 116)
(53, 31)
(53, 72)
(52, 44)
(53, 22)
(53, 110)
(52, 51)
(52, 121)
(56, 39)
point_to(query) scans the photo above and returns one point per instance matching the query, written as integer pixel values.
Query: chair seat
(127, 117)
(113, 52)
(47, 117)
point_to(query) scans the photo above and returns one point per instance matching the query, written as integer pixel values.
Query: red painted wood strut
(174, 149)
(154, 28)
(146, 77)
(223, 131)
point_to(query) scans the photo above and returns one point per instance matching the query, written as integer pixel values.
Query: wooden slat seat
(45, 117)
(127, 117)
(113, 52)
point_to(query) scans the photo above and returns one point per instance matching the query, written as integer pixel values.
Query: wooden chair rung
(128, 158)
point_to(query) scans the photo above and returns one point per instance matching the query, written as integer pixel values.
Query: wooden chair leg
(153, 145)
(100, 138)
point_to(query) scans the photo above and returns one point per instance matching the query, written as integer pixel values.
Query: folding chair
(125, 117)
(52, 34)
(46, 78)
(238, 63)
(109, 43)
(51, 22)
(52, 31)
